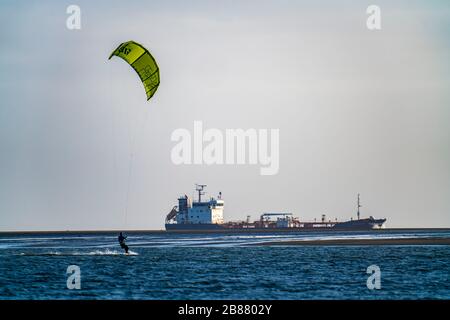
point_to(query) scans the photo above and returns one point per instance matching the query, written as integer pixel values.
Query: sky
(358, 110)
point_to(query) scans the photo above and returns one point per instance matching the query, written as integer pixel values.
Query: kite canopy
(142, 62)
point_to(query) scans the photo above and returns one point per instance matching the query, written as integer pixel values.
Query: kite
(140, 59)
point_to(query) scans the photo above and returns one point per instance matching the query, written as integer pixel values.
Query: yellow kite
(142, 62)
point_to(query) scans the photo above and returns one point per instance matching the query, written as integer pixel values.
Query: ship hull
(363, 224)
(353, 225)
(194, 227)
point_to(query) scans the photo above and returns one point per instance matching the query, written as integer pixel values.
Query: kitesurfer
(122, 242)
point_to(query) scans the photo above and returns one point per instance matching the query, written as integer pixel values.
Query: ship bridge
(198, 212)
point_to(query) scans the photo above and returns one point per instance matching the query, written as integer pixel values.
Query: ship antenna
(359, 205)
(199, 188)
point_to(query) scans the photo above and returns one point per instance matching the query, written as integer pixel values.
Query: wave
(93, 245)
(106, 252)
(43, 238)
(51, 253)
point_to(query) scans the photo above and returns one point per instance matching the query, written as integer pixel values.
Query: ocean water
(220, 266)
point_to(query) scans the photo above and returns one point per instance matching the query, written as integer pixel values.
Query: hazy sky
(358, 111)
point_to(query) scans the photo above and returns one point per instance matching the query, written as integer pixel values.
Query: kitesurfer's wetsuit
(122, 242)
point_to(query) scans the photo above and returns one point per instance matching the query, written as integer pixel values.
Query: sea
(221, 266)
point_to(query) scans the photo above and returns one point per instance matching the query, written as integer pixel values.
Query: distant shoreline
(358, 242)
(245, 231)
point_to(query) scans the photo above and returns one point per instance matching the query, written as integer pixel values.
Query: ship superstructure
(196, 214)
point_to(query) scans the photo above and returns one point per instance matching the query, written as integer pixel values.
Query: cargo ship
(207, 215)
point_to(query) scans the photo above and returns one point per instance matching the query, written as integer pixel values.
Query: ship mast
(199, 189)
(359, 206)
